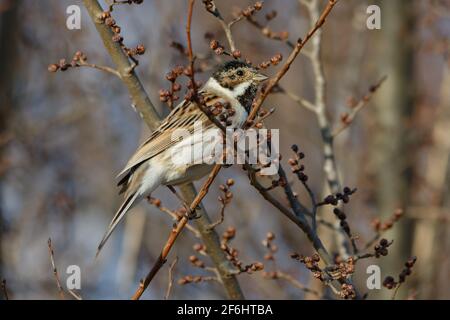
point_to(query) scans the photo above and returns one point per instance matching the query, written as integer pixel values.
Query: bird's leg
(191, 214)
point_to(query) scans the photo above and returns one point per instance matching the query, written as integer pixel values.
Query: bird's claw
(192, 214)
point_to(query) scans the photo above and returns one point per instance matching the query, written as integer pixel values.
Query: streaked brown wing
(182, 117)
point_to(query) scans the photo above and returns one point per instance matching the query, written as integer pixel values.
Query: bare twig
(211, 7)
(170, 281)
(301, 101)
(174, 215)
(290, 279)
(75, 295)
(221, 218)
(101, 68)
(55, 270)
(348, 118)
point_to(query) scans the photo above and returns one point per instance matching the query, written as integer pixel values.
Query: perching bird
(235, 84)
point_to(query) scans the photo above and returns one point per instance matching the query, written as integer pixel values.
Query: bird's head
(231, 74)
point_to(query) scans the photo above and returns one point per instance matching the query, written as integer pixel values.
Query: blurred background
(65, 136)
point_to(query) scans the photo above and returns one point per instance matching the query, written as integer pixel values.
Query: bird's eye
(240, 73)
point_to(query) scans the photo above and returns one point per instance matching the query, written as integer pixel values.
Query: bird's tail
(129, 202)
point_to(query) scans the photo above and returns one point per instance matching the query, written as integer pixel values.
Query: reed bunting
(233, 85)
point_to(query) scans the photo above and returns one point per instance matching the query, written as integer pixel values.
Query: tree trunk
(391, 150)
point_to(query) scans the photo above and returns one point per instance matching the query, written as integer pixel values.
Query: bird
(234, 84)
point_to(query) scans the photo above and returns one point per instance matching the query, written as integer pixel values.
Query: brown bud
(198, 247)
(171, 76)
(110, 21)
(236, 54)
(105, 14)
(219, 51)
(117, 38)
(140, 49)
(176, 87)
(116, 29)
(284, 35)
(157, 202)
(214, 44)
(53, 67)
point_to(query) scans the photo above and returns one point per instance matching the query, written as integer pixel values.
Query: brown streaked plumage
(234, 83)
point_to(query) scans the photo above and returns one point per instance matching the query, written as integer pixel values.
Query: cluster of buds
(227, 195)
(78, 59)
(217, 47)
(233, 255)
(280, 35)
(343, 269)
(347, 291)
(194, 260)
(381, 249)
(271, 248)
(228, 235)
(343, 222)
(389, 281)
(191, 279)
(108, 20)
(311, 263)
(334, 199)
(296, 167)
(251, 10)
(169, 96)
(274, 60)
(223, 112)
(379, 226)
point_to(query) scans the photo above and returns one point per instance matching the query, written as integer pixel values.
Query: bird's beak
(259, 77)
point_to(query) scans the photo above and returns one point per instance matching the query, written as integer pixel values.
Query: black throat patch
(246, 99)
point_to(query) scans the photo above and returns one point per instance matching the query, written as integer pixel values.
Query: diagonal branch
(176, 231)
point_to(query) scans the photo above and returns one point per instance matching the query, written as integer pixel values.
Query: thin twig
(55, 270)
(75, 295)
(301, 101)
(101, 68)
(221, 218)
(211, 7)
(170, 282)
(348, 119)
(176, 217)
(396, 291)
(287, 277)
